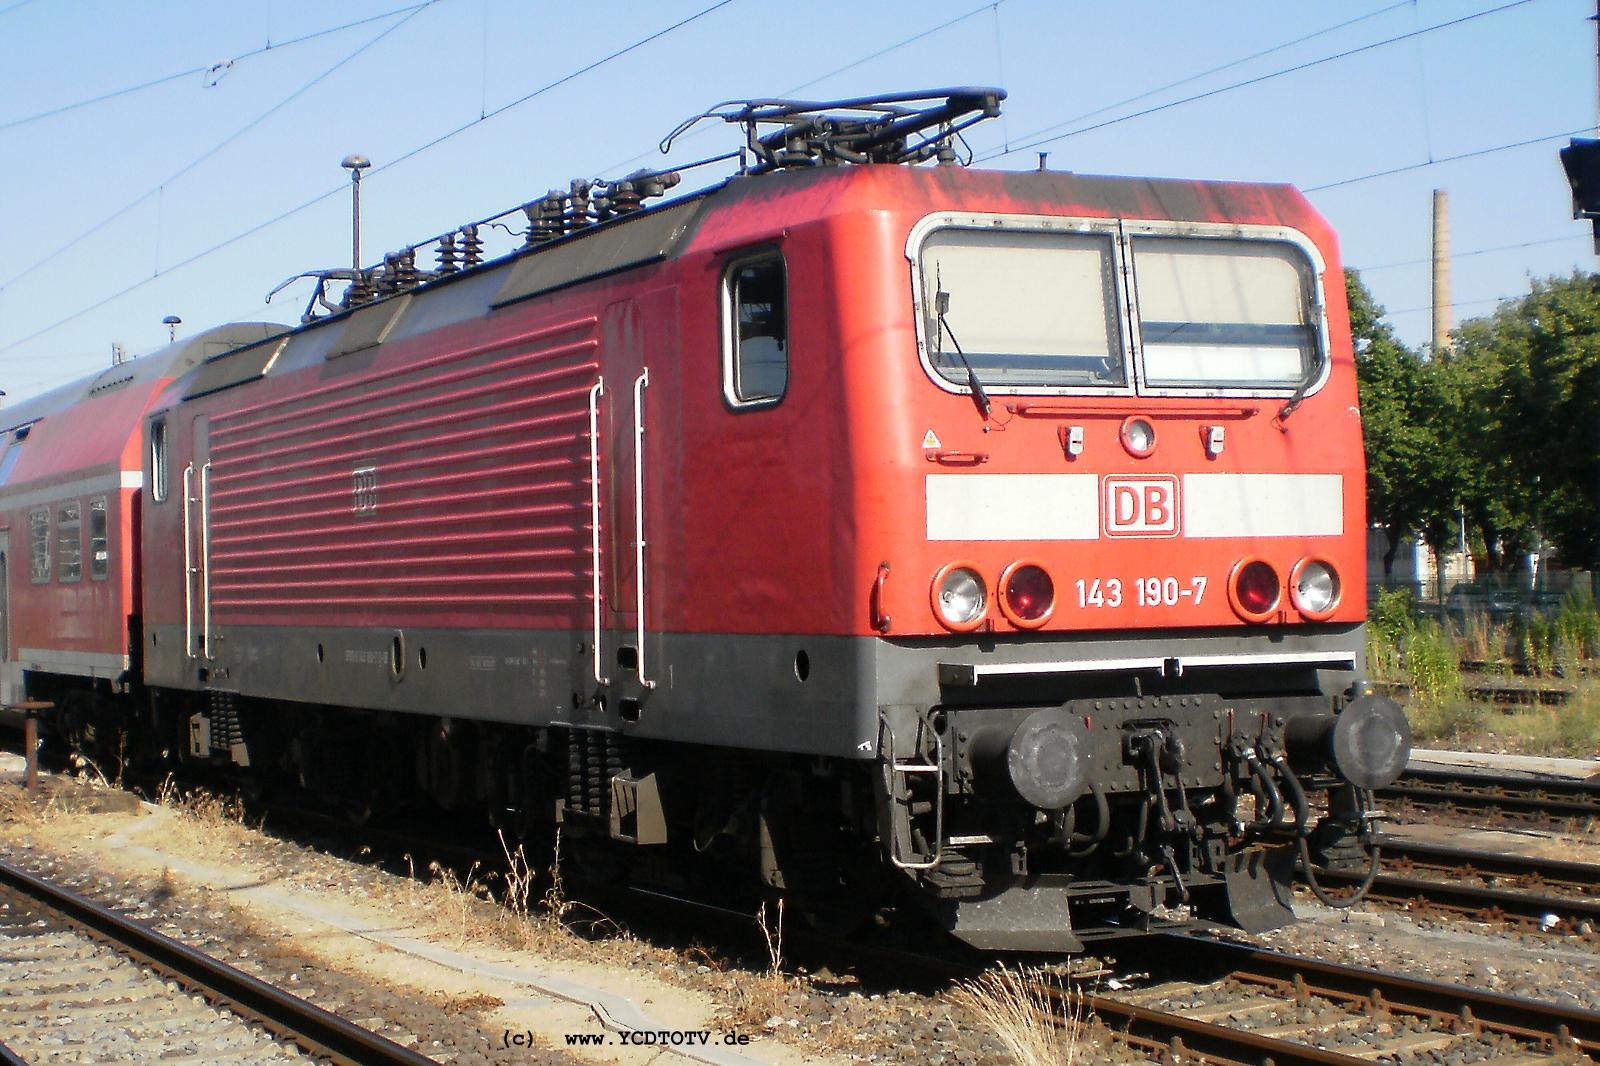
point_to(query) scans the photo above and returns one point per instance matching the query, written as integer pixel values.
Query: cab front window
(1218, 313)
(1036, 304)
(1022, 308)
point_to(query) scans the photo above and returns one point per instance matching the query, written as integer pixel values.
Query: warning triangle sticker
(931, 440)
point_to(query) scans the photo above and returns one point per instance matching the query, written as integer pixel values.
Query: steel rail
(1536, 869)
(1539, 797)
(1179, 1037)
(312, 1028)
(1551, 1025)
(1492, 903)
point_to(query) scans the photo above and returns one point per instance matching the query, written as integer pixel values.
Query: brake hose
(1317, 890)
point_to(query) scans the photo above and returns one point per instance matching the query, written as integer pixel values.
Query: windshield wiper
(1314, 371)
(1300, 391)
(941, 304)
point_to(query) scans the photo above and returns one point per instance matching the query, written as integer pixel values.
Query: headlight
(1314, 587)
(1027, 595)
(1138, 437)
(959, 597)
(1254, 589)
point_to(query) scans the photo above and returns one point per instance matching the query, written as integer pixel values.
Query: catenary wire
(209, 152)
(1257, 80)
(20, 3)
(319, 198)
(225, 63)
(1218, 70)
(1475, 153)
(1472, 251)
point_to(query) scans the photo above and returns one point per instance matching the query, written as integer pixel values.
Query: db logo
(1140, 506)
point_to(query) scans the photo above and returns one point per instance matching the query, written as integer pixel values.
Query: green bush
(1578, 624)
(1535, 639)
(1449, 721)
(1392, 615)
(1434, 663)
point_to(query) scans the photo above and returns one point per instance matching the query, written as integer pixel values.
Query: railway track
(1310, 1011)
(1551, 895)
(1253, 1006)
(1505, 796)
(80, 982)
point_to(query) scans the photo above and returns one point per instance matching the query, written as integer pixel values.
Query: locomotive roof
(174, 360)
(233, 355)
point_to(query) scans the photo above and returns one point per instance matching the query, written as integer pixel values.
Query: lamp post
(355, 164)
(172, 322)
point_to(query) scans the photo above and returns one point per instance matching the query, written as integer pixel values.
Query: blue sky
(132, 193)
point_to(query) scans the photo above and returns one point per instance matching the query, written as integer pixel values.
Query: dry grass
(1039, 1021)
(499, 907)
(19, 808)
(765, 996)
(201, 822)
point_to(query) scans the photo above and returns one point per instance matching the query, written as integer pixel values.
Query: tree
(1407, 407)
(1536, 363)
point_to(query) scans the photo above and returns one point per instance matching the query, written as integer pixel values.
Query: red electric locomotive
(876, 530)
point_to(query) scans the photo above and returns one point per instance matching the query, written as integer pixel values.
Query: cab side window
(755, 331)
(158, 460)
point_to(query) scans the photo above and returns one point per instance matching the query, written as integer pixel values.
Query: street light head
(356, 162)
(172, 320)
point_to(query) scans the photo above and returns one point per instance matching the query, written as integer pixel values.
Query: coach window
(755, 371)
(99, 542)
(39, 545)
(69, 542)
(158, 459)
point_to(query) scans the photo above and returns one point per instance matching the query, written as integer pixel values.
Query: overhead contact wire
(1259, 79)
(342, 187)
(165, 78)
(1475, 153)
(213, 150)
(1218, 70)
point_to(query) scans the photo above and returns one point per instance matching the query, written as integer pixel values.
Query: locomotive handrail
(595, 393)
(892, 765)
(205, 560)
(188, 563)
(638, 518)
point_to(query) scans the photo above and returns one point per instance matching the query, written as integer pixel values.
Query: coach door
(197, 546)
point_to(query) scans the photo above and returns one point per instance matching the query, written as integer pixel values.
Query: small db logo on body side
(364, 490)
(1144, 506)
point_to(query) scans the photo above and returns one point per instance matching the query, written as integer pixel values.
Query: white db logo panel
(1140, 506)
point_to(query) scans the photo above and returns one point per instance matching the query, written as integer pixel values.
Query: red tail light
(1027, 595)
(1255, 589)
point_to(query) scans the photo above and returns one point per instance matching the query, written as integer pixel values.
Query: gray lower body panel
(805, 694)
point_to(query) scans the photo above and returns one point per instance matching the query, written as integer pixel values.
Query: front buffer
(1029, 827)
